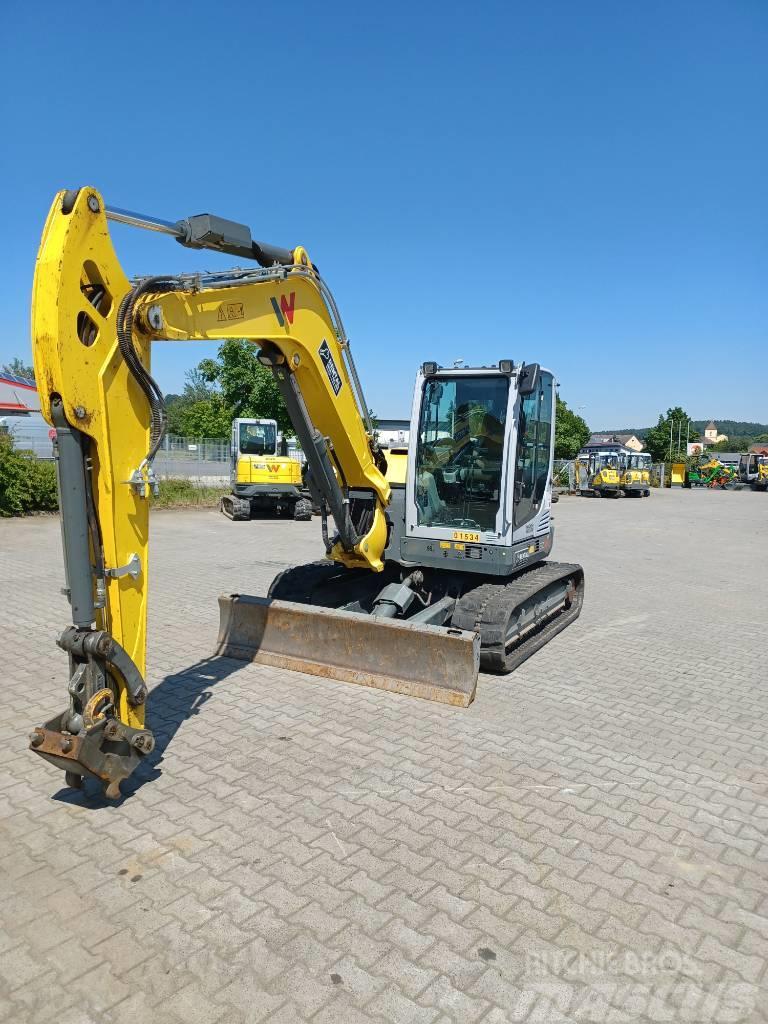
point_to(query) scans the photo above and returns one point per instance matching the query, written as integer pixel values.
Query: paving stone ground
(586, 842)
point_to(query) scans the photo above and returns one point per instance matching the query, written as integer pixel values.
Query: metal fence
(29, 434)
(201, 456)
(562, 473)
(202, 449)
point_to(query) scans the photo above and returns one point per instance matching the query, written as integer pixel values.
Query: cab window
(258, 438)
(459, 457)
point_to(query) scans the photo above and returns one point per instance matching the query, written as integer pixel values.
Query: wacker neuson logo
(285, 309)
(330, 367)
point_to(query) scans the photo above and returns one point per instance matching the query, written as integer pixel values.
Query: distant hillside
(637, 431)
(739, 428)
(733, 428)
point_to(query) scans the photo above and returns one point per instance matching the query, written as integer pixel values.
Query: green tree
(733, 444)
(19, 368)
(196, 387)
(210, 417)
(571, 432)
(246, 386)
(27, 484)
(174, 408)
(662, 440)
(197, 392)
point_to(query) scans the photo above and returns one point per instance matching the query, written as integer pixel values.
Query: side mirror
(528, 378)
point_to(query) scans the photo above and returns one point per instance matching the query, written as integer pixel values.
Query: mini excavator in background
(264, 478)
(435, 565)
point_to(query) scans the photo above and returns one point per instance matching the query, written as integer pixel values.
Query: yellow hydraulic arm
(285, 312)
(91, 334)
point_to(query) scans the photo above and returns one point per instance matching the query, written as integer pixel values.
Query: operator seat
(491, 438)
(427, 495)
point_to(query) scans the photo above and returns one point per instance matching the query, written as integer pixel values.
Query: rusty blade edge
(407, 687)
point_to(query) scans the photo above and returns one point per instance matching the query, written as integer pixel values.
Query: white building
(393, 433)
(711, 436)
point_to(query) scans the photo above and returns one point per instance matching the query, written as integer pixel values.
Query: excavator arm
(287, 313)
(91, 334)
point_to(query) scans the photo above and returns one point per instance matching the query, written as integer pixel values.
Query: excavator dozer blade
(432, 662)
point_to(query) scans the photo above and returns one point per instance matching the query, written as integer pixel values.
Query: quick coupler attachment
(89, 739)
(99, 644)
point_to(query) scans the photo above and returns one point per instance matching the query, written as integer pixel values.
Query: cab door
(533, 455)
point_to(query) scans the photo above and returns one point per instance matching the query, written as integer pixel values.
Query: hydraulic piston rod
(206, 231)
(140, 220)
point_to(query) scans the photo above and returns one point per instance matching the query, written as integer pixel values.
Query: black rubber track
(302, 510)
(300, 582)
(488, 609)
(236, 509)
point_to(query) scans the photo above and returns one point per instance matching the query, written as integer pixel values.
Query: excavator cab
(254, 437)
(753, 470)
(469, 427)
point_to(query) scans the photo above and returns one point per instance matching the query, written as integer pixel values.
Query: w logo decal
(285, 310)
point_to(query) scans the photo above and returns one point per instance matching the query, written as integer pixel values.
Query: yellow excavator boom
(91, 333)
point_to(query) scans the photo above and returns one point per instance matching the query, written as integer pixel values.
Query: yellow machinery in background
(397, 465)
(635, 474)
(598, 473)
(263, 480)
(753, 470)
(436, 563)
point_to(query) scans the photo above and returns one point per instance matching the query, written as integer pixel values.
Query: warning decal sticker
(230, 311)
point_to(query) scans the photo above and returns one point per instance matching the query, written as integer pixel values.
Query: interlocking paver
(301, 850)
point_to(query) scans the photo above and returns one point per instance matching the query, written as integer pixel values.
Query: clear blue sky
(578, 183)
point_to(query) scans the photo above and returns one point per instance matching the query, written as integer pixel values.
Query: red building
(20, 416)
(18, 395)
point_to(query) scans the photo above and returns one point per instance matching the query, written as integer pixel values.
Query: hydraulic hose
(125, 340)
